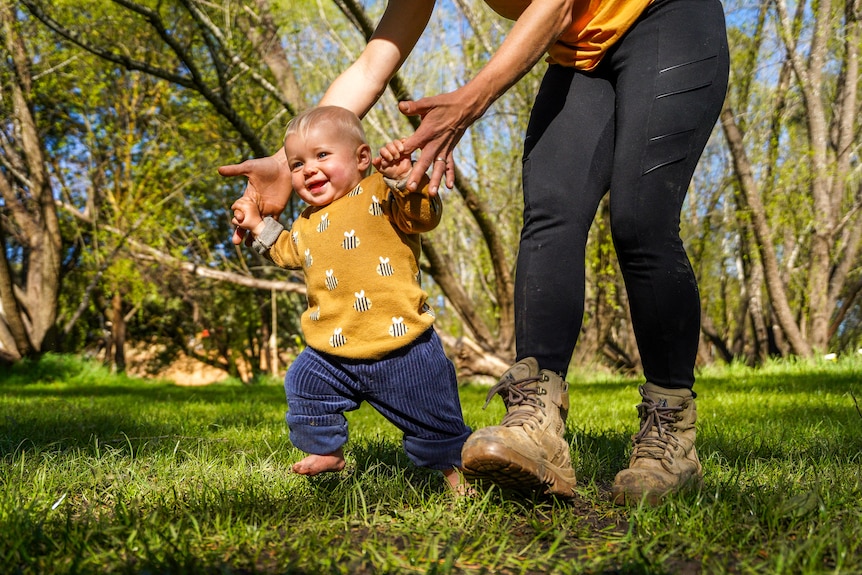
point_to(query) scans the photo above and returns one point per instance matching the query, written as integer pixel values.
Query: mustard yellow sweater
(360, 256)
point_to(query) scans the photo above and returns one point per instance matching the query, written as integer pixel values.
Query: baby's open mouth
(315, 187)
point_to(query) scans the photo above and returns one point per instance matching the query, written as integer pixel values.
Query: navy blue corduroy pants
(414, 387)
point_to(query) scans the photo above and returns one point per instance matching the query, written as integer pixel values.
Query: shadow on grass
(134, 413)
(372, 466)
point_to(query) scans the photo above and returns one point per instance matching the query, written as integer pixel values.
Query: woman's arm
(360, 86)
(445, 117)
(357, 89)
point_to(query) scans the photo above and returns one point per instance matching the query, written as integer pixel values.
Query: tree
(29, 226)
(796, 167)
(121, 155)
(208, 56)
(156, 95)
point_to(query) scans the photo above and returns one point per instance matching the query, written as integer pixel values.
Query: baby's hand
(246, 218)
(393, 162)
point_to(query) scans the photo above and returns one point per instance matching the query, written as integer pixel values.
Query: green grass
(108, 474)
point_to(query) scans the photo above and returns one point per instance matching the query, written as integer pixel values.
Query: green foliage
(799, 175)
(106, 473)
(136, 156)
(136, 153)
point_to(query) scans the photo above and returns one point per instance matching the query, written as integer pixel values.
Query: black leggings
(636, 128)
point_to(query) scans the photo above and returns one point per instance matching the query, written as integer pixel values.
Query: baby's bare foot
(459, 485)
(314, 464)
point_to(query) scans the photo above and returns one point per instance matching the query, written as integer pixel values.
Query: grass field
(108, 474)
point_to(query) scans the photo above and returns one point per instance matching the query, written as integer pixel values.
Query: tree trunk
(756, 313)
(263, 33)
(29, 302)
(273, 336)
(774, 286)
(831, 131)
(13, 333)
(118, 332)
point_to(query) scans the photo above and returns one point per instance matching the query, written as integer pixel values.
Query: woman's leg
(671, 77)
(568, 152)
(568, 155)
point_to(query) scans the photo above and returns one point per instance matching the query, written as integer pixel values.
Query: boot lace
(518, 394)
(660, 417)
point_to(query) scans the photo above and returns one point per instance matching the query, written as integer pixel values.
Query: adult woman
(631, 94)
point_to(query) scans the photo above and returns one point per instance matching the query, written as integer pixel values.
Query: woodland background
(115, 114)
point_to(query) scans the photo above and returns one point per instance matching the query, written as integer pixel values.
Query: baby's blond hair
(342, 120)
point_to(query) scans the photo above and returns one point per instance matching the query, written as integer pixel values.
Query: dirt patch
(182, 370)
(189, 371)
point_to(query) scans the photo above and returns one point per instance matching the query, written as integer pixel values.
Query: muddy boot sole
(493, 462)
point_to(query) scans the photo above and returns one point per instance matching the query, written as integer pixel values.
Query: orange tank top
(596, 26)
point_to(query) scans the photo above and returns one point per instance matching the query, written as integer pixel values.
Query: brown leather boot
(664, 459)
(527, 451)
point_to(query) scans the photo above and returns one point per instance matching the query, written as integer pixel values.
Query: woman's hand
(268, 184)
(445, 118)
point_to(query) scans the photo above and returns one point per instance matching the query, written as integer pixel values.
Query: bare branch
(194, 82)
(147, 253)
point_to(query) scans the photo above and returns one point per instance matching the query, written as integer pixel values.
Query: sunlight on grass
(102, 473)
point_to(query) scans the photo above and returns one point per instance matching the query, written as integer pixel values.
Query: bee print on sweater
(308, 259)
(361, 303)
(315, 315)
(385, 268)
(351, 242)
(324, 223)
(355, 191)
(375, 209)
(295, 237)
(397, 329)
(331, 280)
(337, 339)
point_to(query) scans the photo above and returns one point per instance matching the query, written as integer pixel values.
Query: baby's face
(323, 165)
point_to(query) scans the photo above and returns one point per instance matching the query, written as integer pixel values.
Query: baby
(368, 326)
